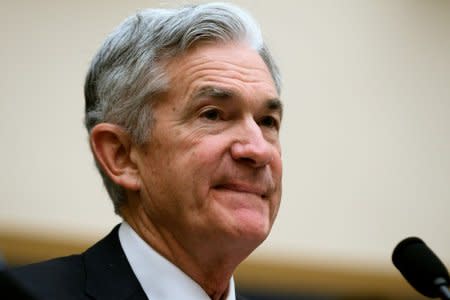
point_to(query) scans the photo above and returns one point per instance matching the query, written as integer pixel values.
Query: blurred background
(366, 139)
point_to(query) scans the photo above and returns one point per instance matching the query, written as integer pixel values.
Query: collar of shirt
(159, 278)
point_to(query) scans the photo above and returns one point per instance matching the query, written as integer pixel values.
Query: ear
(113, 149)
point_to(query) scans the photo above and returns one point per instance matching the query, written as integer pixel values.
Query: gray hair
(128, 72)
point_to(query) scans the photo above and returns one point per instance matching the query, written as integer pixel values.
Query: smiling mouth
(243, 188)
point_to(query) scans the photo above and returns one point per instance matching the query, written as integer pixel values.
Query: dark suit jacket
(101, 273)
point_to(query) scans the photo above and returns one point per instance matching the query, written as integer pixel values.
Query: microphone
(422, 268)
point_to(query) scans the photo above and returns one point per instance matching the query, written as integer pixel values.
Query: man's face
(212, 169)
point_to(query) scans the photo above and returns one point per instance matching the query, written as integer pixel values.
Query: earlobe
(112, 148)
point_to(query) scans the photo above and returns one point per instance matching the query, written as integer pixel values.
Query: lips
(243, 188)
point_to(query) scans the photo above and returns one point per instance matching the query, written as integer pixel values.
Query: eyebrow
(274, 104)
(214, 92)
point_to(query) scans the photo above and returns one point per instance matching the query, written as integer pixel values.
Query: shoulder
(63, 277)
(52, 279)
(102, 272)
(55, 269)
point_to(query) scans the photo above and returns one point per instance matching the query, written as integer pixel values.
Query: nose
(251, 147)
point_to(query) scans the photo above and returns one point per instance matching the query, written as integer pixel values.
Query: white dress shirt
(159, 278)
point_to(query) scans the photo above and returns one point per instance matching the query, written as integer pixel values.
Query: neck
(207, 262)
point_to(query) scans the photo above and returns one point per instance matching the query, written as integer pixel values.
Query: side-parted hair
(128, 72)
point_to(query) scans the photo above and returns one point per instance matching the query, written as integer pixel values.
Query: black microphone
(422, 268)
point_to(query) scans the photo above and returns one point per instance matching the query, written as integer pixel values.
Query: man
(183, 115)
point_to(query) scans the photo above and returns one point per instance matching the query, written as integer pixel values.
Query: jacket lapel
(108, 273)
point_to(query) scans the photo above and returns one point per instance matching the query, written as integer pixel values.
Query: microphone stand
(441, 283)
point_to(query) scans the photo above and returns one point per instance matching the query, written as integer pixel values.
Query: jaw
(210, 254)
(245, 217)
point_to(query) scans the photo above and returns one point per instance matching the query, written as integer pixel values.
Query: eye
(269, 121)
(211, 114)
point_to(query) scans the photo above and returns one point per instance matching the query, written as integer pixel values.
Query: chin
(245, 219)
(252, 226)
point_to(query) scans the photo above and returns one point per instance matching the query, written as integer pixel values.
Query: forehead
(232, 66)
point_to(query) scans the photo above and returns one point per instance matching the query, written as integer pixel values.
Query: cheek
(205, 160)
(277, 172)
(277, 167)
(208, 150)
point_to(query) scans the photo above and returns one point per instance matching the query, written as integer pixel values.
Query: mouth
(243, 188)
